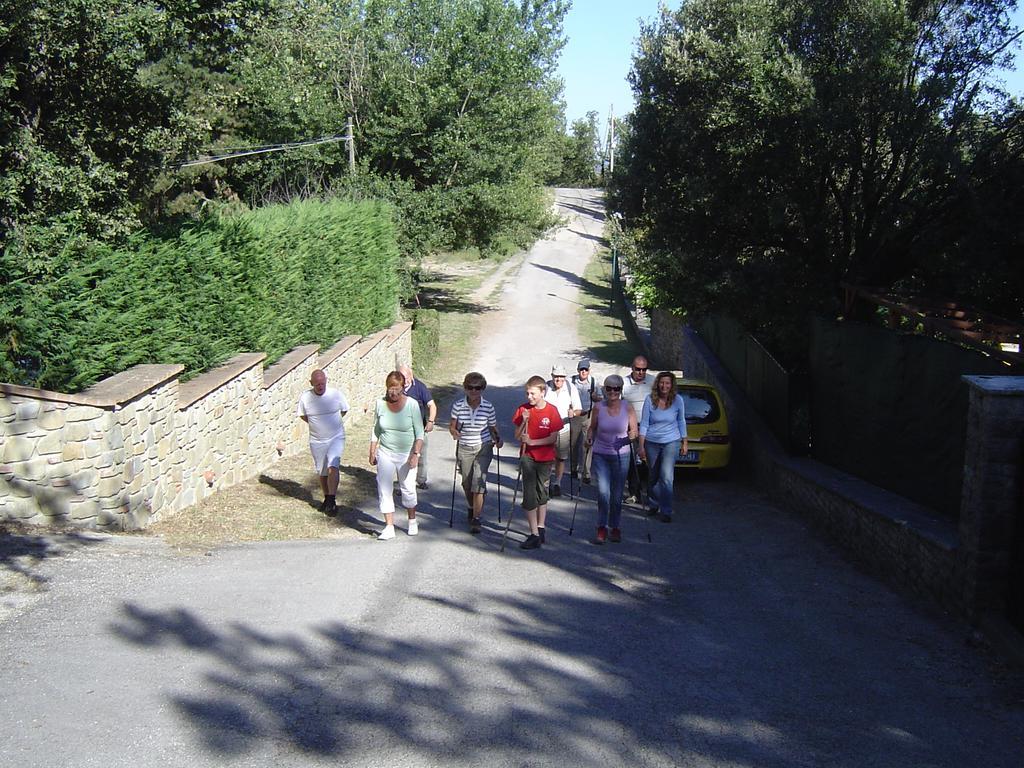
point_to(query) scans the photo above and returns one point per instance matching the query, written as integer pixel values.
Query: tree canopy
(781, 147)
(108, 97)
(455, 108)
(583, 156)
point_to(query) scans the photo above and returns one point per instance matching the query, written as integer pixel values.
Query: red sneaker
(602, 534)
(616, 535)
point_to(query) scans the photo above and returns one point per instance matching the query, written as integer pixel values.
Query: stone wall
(963, 567)
(141, 444)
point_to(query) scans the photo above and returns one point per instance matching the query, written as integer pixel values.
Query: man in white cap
(584, 385)
(567, 400)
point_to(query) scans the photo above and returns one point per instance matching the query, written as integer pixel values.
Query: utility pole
(611, 140)
(351, 140)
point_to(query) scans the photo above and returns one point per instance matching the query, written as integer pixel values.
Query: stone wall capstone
(142, 444)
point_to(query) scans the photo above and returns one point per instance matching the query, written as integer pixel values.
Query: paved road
(734, 638)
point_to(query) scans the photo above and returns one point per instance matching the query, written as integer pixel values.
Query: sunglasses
(613, 389)
(638, 369)
(475, 388)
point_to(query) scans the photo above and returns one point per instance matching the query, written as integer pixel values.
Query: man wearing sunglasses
(637, 388)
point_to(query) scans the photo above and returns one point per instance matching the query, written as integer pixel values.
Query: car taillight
(716, 439)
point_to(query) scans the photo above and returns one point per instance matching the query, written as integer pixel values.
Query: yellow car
(706, 426)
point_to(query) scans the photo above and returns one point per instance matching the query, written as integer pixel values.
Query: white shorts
(562, 445)
(327, 454)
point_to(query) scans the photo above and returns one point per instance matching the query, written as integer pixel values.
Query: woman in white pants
(395, 446)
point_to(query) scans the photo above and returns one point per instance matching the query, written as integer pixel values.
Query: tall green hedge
(269, 280)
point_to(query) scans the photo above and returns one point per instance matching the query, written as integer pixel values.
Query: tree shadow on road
(595, 212)
(612, 677)
(23, 551)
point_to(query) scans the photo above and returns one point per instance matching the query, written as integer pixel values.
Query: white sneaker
(387, 533)
(414, 527)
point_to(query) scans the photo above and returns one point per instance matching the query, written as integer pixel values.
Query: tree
(583, 153)
(82, 133)
(780, 147)
(456, 98)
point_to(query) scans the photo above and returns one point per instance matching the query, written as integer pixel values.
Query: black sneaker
(331, 510)
(422, 485)
(323, 505)
(556, 490)
(474, 525)
(586, 479)
(543, 538)
(532, 542)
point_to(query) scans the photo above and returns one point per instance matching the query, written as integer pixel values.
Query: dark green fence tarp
(891, 408)
(776, 394)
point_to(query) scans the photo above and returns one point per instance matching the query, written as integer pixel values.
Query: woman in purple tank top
(612, 426)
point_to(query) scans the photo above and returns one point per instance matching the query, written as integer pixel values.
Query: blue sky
(601, 42)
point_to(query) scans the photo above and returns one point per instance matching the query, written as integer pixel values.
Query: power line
(260, 150)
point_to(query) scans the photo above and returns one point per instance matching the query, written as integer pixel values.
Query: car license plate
(690, 457)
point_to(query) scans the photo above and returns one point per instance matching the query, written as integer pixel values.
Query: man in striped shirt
(474, 425)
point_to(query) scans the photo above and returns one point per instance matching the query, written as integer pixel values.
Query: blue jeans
(661, 458)
(610, 473)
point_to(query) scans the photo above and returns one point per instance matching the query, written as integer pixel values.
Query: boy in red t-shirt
(537, 425)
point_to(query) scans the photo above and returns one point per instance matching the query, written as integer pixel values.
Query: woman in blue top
(662, 438)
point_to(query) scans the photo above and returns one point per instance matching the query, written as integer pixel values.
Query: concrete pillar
(990, 508)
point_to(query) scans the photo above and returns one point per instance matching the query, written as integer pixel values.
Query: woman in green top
(395, 446)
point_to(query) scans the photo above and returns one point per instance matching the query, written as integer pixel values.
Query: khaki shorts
(473, 464)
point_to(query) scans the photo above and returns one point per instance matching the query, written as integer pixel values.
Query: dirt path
(536, 323)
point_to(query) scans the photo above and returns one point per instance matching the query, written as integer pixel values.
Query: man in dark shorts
(418, 391)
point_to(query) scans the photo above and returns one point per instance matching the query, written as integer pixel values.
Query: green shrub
(267, 281)
(426, 335)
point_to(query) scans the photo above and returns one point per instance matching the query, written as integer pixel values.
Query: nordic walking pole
(575, 506)
(645, 498)
(455, 474)
(498, 491)
(511, 509)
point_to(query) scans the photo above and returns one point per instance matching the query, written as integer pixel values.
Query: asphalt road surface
(733, 638)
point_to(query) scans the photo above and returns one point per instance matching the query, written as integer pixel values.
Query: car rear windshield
(700, 406)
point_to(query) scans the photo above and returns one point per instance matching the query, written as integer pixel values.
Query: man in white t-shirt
(637, 389)
(567, 400)
(323, 409)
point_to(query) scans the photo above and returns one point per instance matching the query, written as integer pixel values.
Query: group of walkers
(610, 434)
